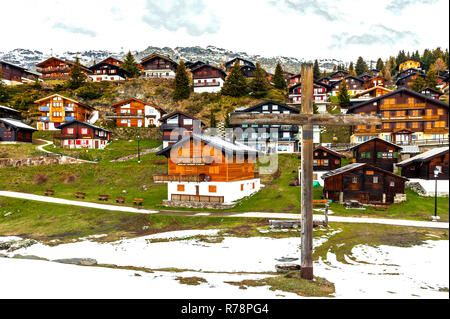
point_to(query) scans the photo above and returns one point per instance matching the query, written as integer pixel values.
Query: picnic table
(120, 199)
(138, 201)
(49, 192)
(103, 197)
(80, 195)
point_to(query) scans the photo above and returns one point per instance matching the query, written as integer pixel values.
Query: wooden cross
(306, 119)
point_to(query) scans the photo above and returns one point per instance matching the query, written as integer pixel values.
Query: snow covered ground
(381, 272)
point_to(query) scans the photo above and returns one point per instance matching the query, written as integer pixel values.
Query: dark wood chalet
(7, 112)
(208, 78)
(158, 66)
(407, 80)
(105, 71)
(406, 116)
(355, 85)
(58, 69)
(325, 159)
(176, 125)
(248, 71)
(375, 72)
(338, 75)
(12, 74)
(364, 183)
(366, 77)
(192, 65)
(269, 138)
(295, 79)
(77, 134)
(325, 80)
(423, 165)
(12, 130)
(435, 94)
(242, 62)
(377, 152)
(409, 72)
(374, 82)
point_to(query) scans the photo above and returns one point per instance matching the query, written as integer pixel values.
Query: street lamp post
(436, 174)
(139, 154)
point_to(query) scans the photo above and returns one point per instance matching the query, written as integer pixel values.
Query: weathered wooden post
(307, 175)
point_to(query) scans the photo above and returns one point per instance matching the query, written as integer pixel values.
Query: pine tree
(361, 66)
(259, 85)
(401, 57)
(380, 64)
(227, 120)
(212, 120)
(393, 65)
(4, 94)
(278, 78)
(182, 89)
(431, 78)
(351, 69)
(77, 76)
(387, 75)
(343, 96)
(130, 65)
(427, 59)
(418, 84)
(235, 84)
(316, 70)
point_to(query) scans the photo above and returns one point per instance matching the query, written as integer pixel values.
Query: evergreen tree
(235, 84)
(130, 65)
(4, 94)
(427, 59)
(212, 120)
(361, 66)
(316, 70)
(393, 65)
(343, 96)
(418, 84)
(77, 76)
(278, 78)
(431, 78)
(351, 69)
(227, 120)
(387, 75)
(259, 85)
(380, 64)
(439, 65)
(182, 89)
(401, 57)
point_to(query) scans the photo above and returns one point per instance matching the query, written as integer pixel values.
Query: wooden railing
(180, 178)
(194, 198)
(402, 106)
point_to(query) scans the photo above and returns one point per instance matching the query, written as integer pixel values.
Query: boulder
(287, 267)
(77, 261)
(31, 257)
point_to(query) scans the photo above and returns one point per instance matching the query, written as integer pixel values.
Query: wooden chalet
(423, 165)
(57, 109)
(108, 70)
(77, 134)
(366, 77)
(13, 75)
(58, 69)
(409, 72)
(8, 112)
(377, 152)
(192, 65)
(375, 81)
(406, 116)
(325, 159)
(409, 64)
(133, 112)
(375, 72)
(338, 75)
(364, 183)
(242, 62)
(176, 125)
(435, 94)
(325, 80)
(13, 131)
(295, 79)
(355, 85)
(208, 78)
(372, 92)
(158, 66)
(407, 80)
(209, 169)
(320, 95)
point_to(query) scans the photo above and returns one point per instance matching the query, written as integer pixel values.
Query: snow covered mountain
(212, 55)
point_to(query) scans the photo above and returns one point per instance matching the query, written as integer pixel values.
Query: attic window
(354, 180)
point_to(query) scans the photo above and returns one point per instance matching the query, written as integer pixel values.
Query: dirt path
(339, 219)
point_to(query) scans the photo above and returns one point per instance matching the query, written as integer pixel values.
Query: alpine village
(178, 145)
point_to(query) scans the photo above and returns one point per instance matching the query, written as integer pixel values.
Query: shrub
(39, 179)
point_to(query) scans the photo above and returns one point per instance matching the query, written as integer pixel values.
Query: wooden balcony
(203, 84)
(436, 130)
(402, 106)
(180, 178)
(193, 198)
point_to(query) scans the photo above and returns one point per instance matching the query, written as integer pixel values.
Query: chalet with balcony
(158, 66)
(338, 75)
(409, 64)
(242, 62)
(407, 80)
(376, 81)
(76, 134)
(14, 131)
(355, 85)
(176, 125)
(108, 70)
(372, 92)
(135, 113)
(271, 138)
(375, 72)
(208, 170)
(364, 183)
(320, 96)
(192, 65)
(208, 78)
(325, 80)
(294, 80)
(8, 112)
(407, 116)
(366, 77)
(58, 69)
(57, 109)
(435, 94)
(325, 159)
(409, 71)
(377, 152)
(13, 75)
(423, 165)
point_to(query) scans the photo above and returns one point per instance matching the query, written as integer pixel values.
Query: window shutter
(395, 154)
(379, 155)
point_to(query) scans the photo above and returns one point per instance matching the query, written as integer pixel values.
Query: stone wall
(36, 161)
(204, 205)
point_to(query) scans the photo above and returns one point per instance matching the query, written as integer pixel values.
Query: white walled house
(76, 134)
(208, 170)
(208, 78)
(136, 113)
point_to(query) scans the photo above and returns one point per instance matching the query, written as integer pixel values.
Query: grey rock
(77, 261)
(31, 257)
(286, 259)
(5, 245)
(284, 268)
(18, 244)
(3, 256)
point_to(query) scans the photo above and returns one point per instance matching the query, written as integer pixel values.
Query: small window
(187, 121)
(212, 188)
(180, 188)
(392, 184)
(354, 180)
(242, 187)
(375, 179)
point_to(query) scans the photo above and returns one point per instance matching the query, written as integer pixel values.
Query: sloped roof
(17, 123)
(65, 61)
(9, 109)
(355, 166)
(237, 58)
(84, 123)
(214, 141)
(64, 97)
(376, 139)
(153, 55)
(135, 99)
(424, 157)
(372, 89)
(180, 112)
(211, 66)
(329, 151)
(248, 109)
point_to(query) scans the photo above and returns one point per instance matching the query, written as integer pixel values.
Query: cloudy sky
(307, 29)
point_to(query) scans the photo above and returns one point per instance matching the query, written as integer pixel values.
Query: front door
(139, 123)
(96, 144)
(197, 190)
(129, 123)
(363, 197)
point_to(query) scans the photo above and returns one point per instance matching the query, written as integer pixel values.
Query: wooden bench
(80, 195)
(320, 202)
(103, 197)
(138, 201)
(49, 192)
(120, 199)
